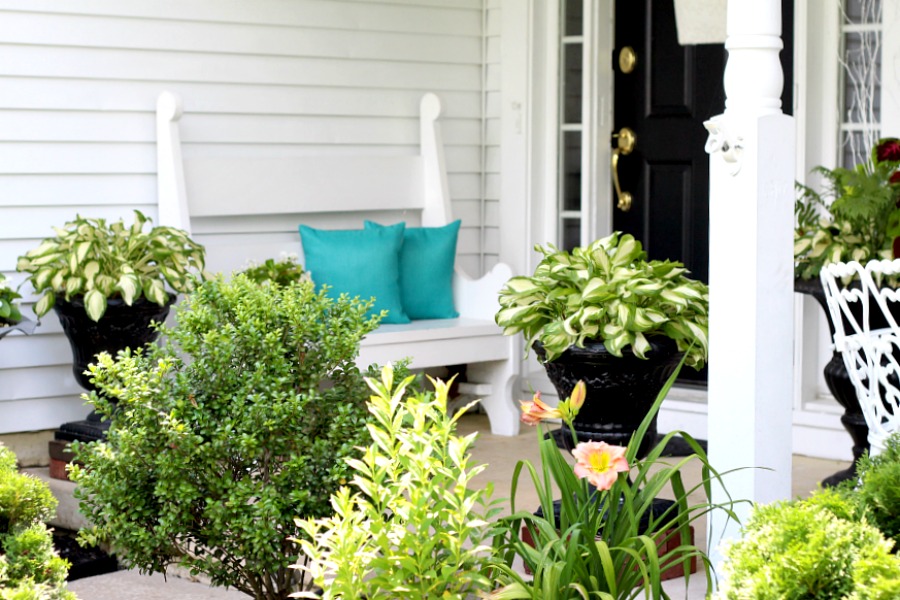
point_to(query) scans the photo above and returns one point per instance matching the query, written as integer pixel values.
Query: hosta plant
(9, 307)
(409, 524)
(100, 260)
(226, 432)
(607, 291)
(855, 217)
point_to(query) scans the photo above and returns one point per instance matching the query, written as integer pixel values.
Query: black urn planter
(840, 386)
(620, 390)
(122, 326)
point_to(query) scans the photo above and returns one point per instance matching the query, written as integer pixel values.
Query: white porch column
(751, 269)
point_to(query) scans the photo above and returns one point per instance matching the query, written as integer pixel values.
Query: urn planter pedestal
(840, 386)
(122, 326)
(620, 390)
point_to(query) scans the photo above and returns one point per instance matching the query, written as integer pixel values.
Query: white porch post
(751, 269)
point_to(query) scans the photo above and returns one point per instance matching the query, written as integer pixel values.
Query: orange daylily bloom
(536, 411)
(600, 463)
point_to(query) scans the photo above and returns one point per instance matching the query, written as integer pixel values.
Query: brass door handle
(626, 143)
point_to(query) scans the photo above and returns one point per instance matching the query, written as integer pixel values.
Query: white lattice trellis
(867, 335)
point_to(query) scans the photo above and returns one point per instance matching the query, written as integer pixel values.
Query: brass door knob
(626, 141)
(627, 60)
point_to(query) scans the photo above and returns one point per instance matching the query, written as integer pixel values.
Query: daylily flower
(536, 411)
(600, 463)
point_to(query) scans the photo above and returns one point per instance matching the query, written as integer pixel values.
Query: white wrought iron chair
(867, 335)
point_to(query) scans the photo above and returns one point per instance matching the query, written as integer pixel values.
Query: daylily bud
(536, 411)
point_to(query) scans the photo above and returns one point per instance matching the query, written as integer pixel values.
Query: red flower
(895, 177)
(888, 149)
(895, 246)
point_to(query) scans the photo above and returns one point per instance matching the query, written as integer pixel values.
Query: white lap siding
(78, 86)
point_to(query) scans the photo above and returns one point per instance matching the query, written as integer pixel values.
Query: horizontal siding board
(136, 158)
(73, 190)
(37, 222)
(252, 40)
(45, 381)
(324, 14)
(172, 67)
(38, 414)
(136, 96)
(105, 126)
(19, 351)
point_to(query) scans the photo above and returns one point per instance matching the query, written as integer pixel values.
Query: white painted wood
(868, 354)
(291, 190)
(751, 183)
(439, 17)
(78, 84)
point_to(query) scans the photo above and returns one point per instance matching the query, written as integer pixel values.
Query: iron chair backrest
(866, 333)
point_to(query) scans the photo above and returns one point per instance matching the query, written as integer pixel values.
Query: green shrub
(802, 550)
(226, 432)
(284, 271)
(876, 577)
(411, 527)
(879, 489)
(30, 569)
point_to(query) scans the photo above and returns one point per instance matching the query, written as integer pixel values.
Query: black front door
(671, 90)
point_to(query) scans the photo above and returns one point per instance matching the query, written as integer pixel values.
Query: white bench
(248, 208)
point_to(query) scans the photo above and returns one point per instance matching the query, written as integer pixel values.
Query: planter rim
(592, 347)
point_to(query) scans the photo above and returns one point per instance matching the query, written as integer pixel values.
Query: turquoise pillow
(358, 262)
(426, 269)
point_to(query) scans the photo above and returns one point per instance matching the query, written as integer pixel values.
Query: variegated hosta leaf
(95, 304)
(640, 346)
(74, 286)
(155, 292)
(91, 269)
(627, 251)
(105, 284)
(43, 306)
(130, 287)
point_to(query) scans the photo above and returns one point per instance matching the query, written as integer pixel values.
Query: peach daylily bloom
(536, 411)
(600, 463)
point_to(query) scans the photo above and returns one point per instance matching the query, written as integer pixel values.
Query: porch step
(67, 514)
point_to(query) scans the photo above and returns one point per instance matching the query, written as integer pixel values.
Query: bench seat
(255, 203)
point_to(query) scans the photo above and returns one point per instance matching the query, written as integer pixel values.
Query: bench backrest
(248, 208)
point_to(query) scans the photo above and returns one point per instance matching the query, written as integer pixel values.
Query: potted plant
(95, 269)
(11, 318)
(605, 314)
(107, 283)
(608, 537)
(855, 217)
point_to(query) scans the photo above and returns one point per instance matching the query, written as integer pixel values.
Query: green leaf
(94, 304)
(43, 306)
(130, 287)
(74, 286)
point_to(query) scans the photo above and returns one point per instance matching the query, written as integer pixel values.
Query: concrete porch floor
(500, 454)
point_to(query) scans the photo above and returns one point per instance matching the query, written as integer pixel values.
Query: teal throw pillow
(426, 270)
(358, 262)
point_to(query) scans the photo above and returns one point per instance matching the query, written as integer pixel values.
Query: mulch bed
(86, 562)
